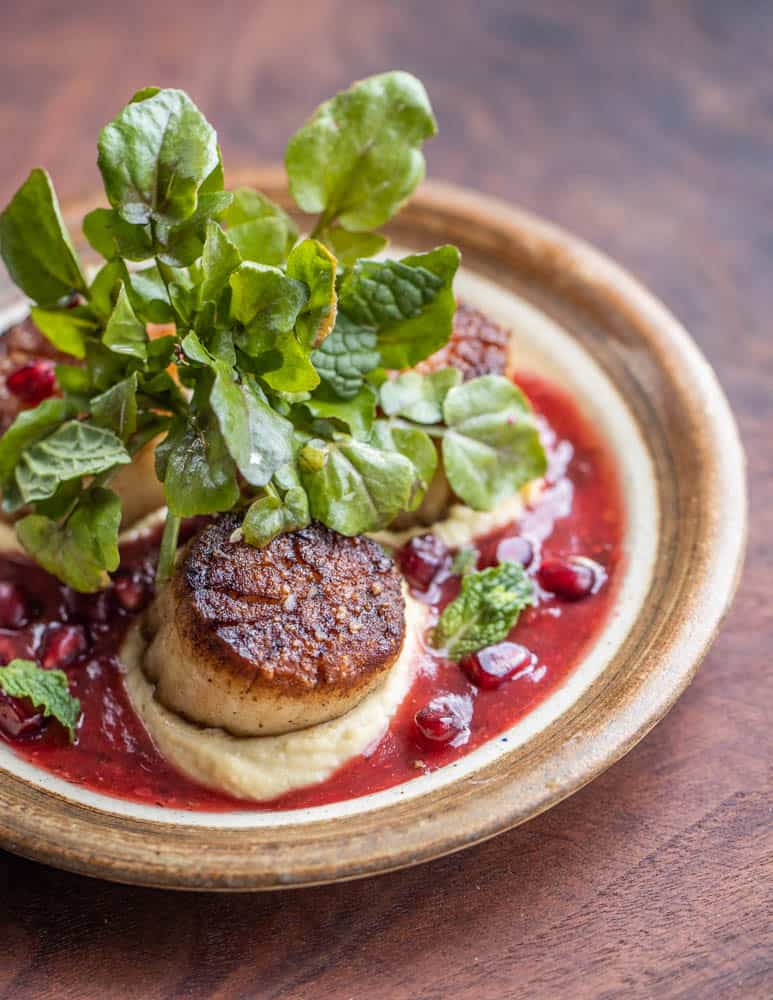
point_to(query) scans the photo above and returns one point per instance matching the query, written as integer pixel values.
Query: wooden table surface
(646, 127)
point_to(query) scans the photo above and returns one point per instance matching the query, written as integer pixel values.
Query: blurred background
(646, 126)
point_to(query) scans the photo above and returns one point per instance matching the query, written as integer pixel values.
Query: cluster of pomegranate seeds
(14, 605)
(421, 559)
(491, 667)
(33, 382)
(571, 579)
(445, 720)
(132, 591)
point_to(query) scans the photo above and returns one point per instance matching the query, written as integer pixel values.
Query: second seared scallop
(266, 641)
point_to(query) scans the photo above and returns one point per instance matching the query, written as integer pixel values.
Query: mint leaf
(346, 356)
(485, 610)
(266, 302)
(359, 156)
(74, 449)
(196, 468)
(260, 229)
(82, 551)
(48, 690)
(353, 487)
(409, 302)
(313, 264)
(491, 447)
(35, 245)
(124, 333)
(271, 516)
(419, 397)
(465, 561)
(28, 427)
(155, 156)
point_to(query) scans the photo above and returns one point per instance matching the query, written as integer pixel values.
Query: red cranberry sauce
(450, 708)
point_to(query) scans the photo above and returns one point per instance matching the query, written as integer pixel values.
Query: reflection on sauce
(580, 513)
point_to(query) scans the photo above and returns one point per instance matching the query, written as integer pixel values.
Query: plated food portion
(284, 522)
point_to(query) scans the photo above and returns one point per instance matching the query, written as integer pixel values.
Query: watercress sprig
(269, 391)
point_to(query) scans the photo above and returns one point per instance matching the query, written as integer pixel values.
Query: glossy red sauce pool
(581, 514)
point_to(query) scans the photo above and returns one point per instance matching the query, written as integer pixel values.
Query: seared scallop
(266, 641)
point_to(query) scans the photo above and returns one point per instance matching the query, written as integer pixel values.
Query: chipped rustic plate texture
(632, 367)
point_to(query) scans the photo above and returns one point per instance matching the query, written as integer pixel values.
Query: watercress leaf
(353, 487)
(116, 408)
(346, 356)
(103, 365)
(82, 551)
(181, 244)
(417, 447)
(258, 438)
(271, 516)
(348, 247)
(419, 397)
(35, 245)
(356, 414)
(197, 470)
(219, 260)
(359, 156)
(105, 286)
(155, 155)
(28, 427)
(124, 333)
(491, 447)
(48, 690)
(66, 329)
(314, 265)
(113, 237)
(484, 612)
(262, 231)
(73, 449)
(409, 302)
(295, 372)
(267, 302)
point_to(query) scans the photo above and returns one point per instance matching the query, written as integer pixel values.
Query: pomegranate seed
(132, 592)
(19, 717)
(572, 579)
(33, 383)
(517, 549)
(492, 666)
(421, 559)
(445, 720)
(62, 644)
(14, 607)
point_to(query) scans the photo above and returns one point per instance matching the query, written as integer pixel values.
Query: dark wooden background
(646, 127)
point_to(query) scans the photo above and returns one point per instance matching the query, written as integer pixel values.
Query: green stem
(433, 430)
(168, 552)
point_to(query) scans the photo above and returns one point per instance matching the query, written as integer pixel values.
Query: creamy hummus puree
(262, 767)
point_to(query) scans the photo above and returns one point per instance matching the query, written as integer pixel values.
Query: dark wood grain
(648, 129)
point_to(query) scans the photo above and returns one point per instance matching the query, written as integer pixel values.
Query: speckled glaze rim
(699, 479)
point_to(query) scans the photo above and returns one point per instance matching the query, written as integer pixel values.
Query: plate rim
(47, 827)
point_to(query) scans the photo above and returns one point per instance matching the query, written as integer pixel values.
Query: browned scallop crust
(313, 608)
(478, 346)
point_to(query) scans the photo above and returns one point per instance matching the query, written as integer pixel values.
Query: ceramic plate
(629, 364)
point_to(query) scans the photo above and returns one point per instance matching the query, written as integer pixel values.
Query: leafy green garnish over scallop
(282, 404)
